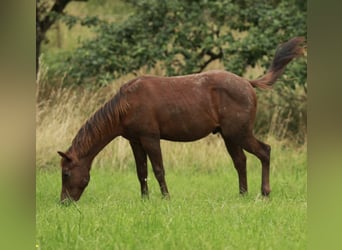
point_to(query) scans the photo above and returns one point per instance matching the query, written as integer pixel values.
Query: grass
(205, 210)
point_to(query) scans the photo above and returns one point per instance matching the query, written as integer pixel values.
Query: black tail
(284, 54)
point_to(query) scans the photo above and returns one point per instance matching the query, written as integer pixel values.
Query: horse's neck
(91, 152)
(90, 139)
(101, 128)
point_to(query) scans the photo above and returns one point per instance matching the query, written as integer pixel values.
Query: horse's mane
(100, 126)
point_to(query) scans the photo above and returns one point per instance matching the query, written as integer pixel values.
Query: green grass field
(205, 210)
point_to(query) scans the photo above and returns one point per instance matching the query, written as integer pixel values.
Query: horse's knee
(241, 160)
(159, 173)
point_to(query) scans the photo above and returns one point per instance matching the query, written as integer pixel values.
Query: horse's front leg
(153, 150)
(141, 165)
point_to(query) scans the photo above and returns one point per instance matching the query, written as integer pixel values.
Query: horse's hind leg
(239, 159)
(141, 165)
(262, 151)
(153, 150)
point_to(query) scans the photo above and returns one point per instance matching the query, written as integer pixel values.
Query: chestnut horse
(181, 108)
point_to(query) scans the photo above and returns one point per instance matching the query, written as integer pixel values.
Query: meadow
(205, 210)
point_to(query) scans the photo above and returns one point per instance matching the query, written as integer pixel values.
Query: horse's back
(199, 86)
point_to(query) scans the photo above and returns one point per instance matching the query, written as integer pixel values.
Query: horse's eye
(66, 174)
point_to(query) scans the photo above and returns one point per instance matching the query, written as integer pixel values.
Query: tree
(46, 15)
(184, 36)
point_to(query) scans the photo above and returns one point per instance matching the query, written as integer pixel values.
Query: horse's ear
(64, 155)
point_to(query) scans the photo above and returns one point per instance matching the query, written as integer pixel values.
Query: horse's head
(75, 176)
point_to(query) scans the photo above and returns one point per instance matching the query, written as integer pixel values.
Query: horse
(185, 108)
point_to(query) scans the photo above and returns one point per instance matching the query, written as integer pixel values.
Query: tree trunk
(42, 26)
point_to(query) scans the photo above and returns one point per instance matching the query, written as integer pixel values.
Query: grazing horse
(180, 108)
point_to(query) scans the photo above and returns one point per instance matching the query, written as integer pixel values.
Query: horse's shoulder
(132, 85)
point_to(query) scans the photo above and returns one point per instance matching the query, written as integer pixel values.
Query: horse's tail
(283, 55)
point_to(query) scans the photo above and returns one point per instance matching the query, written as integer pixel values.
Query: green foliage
(185, 36)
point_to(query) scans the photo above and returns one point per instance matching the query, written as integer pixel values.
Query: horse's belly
(183, 137)
(188, 129)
